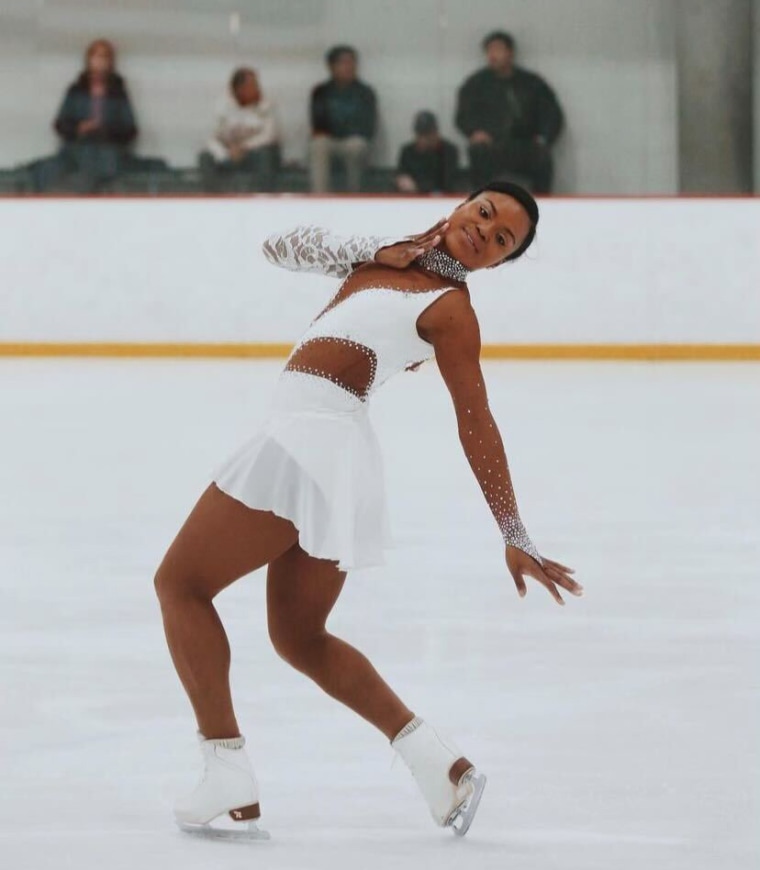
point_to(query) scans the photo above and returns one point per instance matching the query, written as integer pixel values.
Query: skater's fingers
(411, 253)
(561, 579)
(400, 255)
(435, 230)
(520, 583)
(432, 242)
(559, 565)
(419, 237)
(422, 247)
(544, 580)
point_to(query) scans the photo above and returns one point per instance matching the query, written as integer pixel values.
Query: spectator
(430, 163)
(510, 116)
(96, 124)
(245, 143)
(343, 116)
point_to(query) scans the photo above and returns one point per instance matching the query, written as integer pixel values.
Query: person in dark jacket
(95, 122)
(510, 116)
(430, 163)
(343, 118)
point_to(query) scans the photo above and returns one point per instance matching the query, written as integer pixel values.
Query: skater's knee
(298, 648)
(164, 584)
(173, 586)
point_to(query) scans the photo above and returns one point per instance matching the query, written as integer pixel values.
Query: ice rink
(618, 732)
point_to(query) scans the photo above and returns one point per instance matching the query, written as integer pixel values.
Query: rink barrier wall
(607, 278)
(600, 352)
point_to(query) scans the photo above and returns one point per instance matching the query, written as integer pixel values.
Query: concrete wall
(714, 61)
(756, 89)
(612, 65)
(601, 271)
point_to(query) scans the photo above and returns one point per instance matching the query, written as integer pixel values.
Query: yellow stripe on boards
(146, 350)
(623, 352)
(193, 350)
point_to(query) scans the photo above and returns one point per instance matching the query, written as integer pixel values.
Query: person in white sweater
(244, 152)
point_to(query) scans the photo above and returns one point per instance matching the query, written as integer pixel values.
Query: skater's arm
(454, 332)
(456, 338)
(318, 250)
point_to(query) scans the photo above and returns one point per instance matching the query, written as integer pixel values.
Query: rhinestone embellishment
(443, 264)
(295, 366)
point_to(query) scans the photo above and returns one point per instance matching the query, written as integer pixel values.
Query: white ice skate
(225, 803)
(448, 781)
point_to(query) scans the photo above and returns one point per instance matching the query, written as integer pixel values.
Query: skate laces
(228, 742)
(408, 729)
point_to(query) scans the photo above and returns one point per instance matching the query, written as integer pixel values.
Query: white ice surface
(619, 732)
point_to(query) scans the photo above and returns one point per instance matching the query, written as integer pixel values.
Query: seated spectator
(244, 150)
(343, 117)
(430, 163)
(510, 116)
(96, 124)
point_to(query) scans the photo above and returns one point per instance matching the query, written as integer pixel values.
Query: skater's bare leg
(221, 541)
(301, 592)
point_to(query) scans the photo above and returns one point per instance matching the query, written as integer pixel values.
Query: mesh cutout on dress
(350, 365)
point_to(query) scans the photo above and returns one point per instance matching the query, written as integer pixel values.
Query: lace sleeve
(316, 249)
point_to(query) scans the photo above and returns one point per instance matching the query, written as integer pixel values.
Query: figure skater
(305, 496)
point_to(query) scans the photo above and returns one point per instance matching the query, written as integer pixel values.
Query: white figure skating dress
(316, 461)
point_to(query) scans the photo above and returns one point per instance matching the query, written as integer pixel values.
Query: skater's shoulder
(452, 320)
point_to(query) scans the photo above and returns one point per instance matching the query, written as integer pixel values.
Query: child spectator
(429, 164)
(244, 151)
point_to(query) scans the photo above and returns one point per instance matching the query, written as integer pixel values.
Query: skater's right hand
(400, 255)
(551, 575)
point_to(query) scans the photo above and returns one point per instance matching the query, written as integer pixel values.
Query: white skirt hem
(316, 462)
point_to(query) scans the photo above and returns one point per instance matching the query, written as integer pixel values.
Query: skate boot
(447, 780)
(225, 803)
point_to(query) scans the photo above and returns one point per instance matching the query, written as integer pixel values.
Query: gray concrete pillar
(714, 62)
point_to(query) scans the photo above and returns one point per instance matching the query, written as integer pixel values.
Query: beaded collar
(443, 264)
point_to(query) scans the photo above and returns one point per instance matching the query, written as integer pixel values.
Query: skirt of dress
(317, 463)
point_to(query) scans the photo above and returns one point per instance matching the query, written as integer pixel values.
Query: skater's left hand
(552, 575)
(400, 255)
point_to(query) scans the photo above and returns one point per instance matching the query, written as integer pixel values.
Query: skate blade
(242, 832)
(463, 817)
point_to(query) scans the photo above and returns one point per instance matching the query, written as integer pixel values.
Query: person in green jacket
(343, 121)
(510, 117)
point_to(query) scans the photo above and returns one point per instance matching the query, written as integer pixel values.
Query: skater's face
(484, 230)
